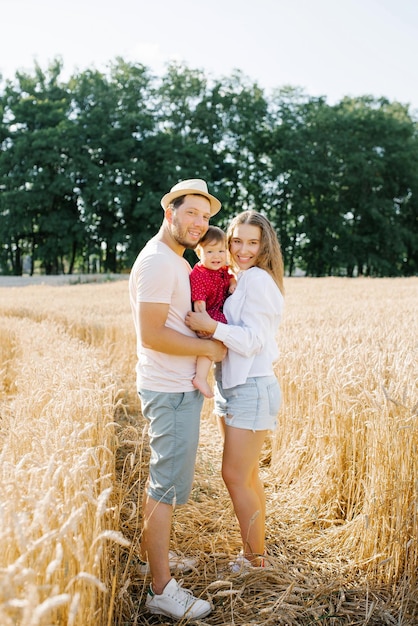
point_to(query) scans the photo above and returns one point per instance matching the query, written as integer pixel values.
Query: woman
(247, 394)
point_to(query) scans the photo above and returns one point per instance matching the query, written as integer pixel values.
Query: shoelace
(188, 594)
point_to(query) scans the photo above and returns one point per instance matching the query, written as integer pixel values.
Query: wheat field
(341, 471)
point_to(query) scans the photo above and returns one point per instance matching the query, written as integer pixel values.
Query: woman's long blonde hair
(270, 255)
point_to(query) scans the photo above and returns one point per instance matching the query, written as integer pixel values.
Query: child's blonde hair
(214, 234)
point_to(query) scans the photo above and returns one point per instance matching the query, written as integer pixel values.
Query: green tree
(344, 184)
(171, 150)
(113, 118)
(188, 126)
(84, 163)
(301, 180)
(38, 204)
(378, 153)
(241, 111)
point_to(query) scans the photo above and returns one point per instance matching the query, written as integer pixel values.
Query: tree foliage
(85, 161)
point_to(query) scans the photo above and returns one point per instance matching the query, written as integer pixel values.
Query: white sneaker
(176, 602)
(241, 565)
(177, 563)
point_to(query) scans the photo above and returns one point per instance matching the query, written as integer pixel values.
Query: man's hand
(217, 350)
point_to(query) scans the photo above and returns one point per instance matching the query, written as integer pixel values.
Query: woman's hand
(201, 322)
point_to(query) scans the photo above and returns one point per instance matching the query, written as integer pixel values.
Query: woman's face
(245, 245)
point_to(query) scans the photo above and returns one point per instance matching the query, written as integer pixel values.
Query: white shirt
(253, 312)
(160, 275)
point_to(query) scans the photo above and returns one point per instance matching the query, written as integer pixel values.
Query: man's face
(190, 221)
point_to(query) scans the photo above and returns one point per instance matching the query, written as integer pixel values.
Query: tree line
(84, 162)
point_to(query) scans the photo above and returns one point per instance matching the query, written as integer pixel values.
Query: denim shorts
(174, 421)
(253, 405)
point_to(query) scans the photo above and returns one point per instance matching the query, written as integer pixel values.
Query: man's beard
(180, 237)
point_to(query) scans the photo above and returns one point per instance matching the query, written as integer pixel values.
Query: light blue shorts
(252, 406)
(174, 421)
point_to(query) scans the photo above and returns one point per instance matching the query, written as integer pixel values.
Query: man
(160, 299)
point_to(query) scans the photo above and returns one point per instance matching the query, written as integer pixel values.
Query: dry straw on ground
(341, 471)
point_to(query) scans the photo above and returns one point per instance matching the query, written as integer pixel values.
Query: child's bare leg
(203, 366)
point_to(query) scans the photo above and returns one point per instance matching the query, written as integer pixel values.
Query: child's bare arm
(199, 306)
(232, 284)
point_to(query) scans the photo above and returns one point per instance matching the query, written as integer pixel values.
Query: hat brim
(215, 205)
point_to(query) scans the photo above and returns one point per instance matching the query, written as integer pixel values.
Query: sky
(330, 48)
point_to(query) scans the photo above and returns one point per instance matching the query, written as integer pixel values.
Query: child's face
(213, 255)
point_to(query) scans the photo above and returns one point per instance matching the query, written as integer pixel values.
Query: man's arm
(157, 336)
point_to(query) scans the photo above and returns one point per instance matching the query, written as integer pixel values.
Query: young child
(211, 283)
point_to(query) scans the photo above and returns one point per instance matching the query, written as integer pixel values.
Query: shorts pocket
(274, 398)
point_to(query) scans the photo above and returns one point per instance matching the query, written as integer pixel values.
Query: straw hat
(191, 186)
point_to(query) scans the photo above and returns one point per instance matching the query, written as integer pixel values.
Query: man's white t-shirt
(159, 275)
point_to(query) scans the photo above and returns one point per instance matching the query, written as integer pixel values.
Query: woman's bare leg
(240, 471)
